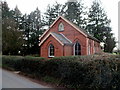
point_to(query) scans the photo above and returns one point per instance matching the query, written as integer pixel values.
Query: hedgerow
(93, 71)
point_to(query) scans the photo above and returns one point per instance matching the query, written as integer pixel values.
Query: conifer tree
(97, 21)
(11, 38)
(98, 25)
(52, 13)
(76, 13)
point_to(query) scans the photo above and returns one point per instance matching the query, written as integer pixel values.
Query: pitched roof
(59, 37)
(80, 29)
(74, 26)
(62, 38)
(88, 35)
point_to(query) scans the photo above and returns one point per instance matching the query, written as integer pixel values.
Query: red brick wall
(68, 50)
(44, 47)
(70, 33)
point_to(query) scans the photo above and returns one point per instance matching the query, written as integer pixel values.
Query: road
(13, 80)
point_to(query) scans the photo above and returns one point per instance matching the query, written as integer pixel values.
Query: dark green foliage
(109, 44)
(52, 13)
(6, 13)
(12, 62)
(98, 23)
(32, 65)
(99, 26)
(12, 39)
(20, 32)
(49, 79)
(93, 71)
(76, 13)
(32, 27)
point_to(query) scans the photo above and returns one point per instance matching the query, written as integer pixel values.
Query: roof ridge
(81, 29)
(53, 36)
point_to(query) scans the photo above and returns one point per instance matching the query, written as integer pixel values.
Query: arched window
(77, 49)
(61, 27)
(51, 50)
(89, 49)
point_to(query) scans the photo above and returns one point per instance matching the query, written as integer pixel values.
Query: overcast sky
(26, 6)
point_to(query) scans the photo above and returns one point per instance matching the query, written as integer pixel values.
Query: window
(61, 27)
(77, 49)
(51, 50)
(89, 49)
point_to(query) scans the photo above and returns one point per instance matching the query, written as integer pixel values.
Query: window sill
(61, 30)
(51, 56)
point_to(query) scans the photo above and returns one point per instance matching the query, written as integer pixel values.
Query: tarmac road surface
(13, 80)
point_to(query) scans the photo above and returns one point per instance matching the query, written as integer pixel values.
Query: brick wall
(71, 34)
(44, 47)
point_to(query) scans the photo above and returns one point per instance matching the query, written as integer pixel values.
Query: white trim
(49, 28)
(67, 22)
(51, 56)
(89, 50)
(47, 37)
(55, 21)
(43, 34)
(49, 51)
(74, 48)
(44, 39)
(74, 26)
(87, 46)
(66, 38)
(61, 27)
(58, 40)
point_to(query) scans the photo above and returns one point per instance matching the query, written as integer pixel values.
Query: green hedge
(93, 71)
(13, 62)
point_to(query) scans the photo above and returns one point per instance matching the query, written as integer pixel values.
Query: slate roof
(62, 38)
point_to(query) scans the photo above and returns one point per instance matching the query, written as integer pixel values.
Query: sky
(110, 6)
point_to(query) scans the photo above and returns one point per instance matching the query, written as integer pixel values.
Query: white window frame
(89, 49)
(49, 51)
(61, 27)
(74, 48)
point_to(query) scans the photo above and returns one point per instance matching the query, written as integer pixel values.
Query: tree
(32, 28)
(36, 30)
(99, 26)
(76, 13)
(11, 38)
(109, 42)
(97, 21)
(6, 12)
(52, 13)
(18, 17)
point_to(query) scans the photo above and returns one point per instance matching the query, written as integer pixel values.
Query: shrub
(68, 69)
(33, 65)
(92, 71)
(12, 62)
(100, 73)
(26, 64)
